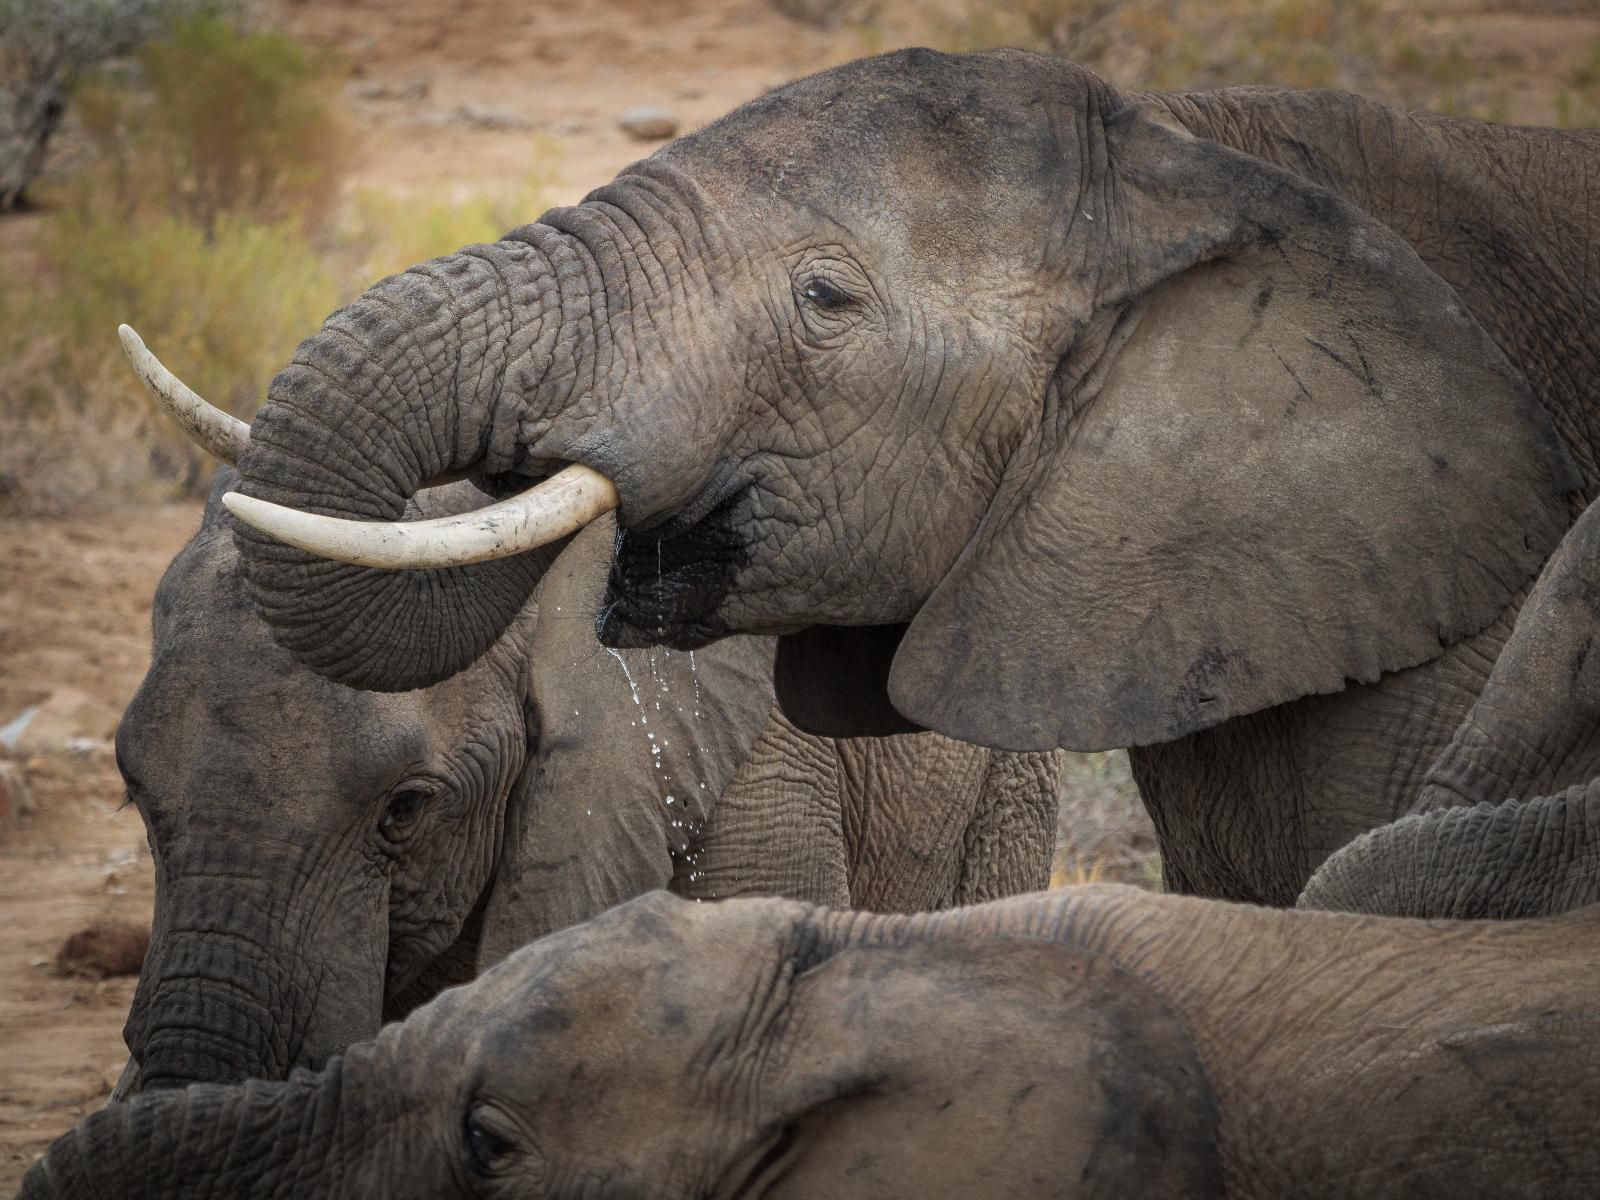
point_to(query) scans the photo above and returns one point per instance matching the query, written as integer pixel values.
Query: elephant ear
(1297, 460)
(890, 1059)
(628, 752)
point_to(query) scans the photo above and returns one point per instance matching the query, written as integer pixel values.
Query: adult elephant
(1093, 1042)
(327, 858)
(1230, 427)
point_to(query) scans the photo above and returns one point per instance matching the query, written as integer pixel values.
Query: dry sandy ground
(75, 612)
(75, 594)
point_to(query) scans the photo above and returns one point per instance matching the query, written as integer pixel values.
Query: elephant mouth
(667, 584)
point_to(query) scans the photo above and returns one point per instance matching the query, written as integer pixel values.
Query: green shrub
(214, 236)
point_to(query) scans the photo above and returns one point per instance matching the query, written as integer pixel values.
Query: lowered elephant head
(327, 857)
(1091, 1042)
(755, 1048)
(1088, 431)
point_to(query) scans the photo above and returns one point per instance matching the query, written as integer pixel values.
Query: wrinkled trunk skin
(281, 966)
(204, 1141)
(429, 372)
(1520, 858)
(1535, 729)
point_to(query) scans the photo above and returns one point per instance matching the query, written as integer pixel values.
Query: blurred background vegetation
(210, 205)
(200, 168)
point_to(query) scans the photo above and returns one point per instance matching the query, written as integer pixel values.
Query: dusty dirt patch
(74, 611)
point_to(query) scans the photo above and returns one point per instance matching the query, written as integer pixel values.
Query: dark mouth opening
(667, 583)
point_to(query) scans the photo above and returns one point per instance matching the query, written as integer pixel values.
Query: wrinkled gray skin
(1500, 828)
(327, 858)
(1519, 858)
(1231, 426)
(1092, 1042)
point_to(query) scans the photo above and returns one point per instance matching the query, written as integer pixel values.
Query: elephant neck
(1501, 214)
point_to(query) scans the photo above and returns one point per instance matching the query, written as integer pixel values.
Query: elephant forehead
(936, 142)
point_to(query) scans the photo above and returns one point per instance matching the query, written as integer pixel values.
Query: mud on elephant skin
(1093, 1042)
(1151, 418)
(327, 858)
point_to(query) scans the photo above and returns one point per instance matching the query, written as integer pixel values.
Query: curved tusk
(562, 504)
(218, 433)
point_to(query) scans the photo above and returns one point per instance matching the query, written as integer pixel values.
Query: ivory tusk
(217, 433)
(562, 504)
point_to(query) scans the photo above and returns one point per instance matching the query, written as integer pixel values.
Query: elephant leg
(778, 828)
(1011, 840)
(1247, 810)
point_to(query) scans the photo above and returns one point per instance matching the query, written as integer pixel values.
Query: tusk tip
(248, 509)
(132, 343)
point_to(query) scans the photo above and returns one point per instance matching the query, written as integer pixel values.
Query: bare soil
(75, 593)
(75, 612)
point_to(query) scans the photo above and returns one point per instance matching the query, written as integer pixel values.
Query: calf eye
(401, 812)
(485, 1147)
(824, 293)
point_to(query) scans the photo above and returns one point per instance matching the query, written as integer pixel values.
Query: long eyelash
(127, 801)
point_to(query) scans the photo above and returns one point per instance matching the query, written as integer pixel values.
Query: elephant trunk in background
(227, 995)
(1520, 858)
(208, 1141)
(442, 380)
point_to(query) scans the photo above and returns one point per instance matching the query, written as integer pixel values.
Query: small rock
(57, 721)
(649, 123)
(567, 128)
(480, 117)
(413, 89)
(102, 949)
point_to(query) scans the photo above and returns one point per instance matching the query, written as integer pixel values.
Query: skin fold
(328, 858)
(1230, 427)
(1093, 1042)
(1500, 828)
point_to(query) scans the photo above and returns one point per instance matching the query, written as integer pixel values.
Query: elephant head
(673, 1050)
(327, 858)
(1090, 1042)
(1095, 432)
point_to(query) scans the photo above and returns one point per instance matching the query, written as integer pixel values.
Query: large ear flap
(628, 752)
(1297, 460)
(892, 1062)
(833, 681)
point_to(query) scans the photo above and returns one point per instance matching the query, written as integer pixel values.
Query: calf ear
(833, 681)
(892, 1061)
(1298, 461)
(628, 751)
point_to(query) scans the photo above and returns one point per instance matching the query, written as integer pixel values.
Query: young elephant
(1098, 1042)
(327, 858)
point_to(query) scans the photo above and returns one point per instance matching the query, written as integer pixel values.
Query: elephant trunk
(1520, 858)
(442, 370)
(310, 1136)
(251, 979)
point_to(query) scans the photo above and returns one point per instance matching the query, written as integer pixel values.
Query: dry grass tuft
(1103, 834)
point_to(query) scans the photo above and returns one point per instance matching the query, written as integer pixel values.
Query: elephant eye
(485, 1147)
(401, 812)
(825, 294)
